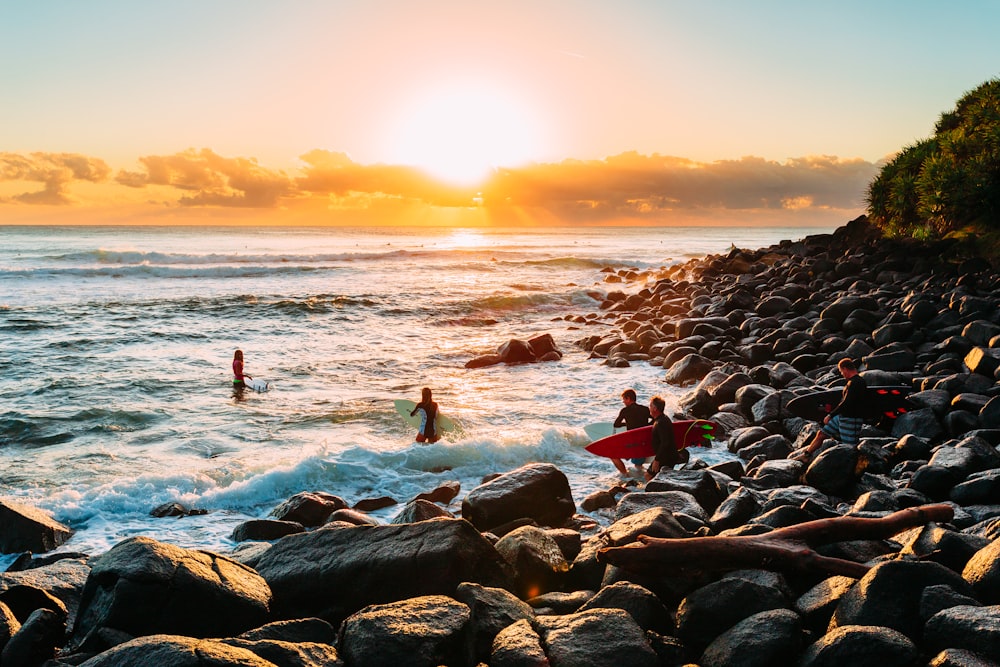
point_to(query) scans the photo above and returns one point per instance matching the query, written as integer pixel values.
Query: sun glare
(461, 133)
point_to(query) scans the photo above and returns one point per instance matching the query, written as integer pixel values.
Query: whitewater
(116, 346)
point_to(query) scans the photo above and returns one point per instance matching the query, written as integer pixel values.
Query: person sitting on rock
(844, 421)
(633, 415)
(664, 447)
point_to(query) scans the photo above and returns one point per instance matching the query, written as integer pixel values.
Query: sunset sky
(437, 112)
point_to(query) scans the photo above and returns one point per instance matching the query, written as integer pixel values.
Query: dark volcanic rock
(595, 637)
(712, 609)
(492, 610)
(975, 629)
(309, 509)
(871, 646)
(762, 640)
(641, 604)
(24, 528)
(265, 529)
(539, 491)
(330, 574)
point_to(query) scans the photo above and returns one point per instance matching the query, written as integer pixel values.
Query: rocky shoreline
(884, 554)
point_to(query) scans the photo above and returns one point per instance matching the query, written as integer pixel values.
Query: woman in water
(428, 413)
(238, 373)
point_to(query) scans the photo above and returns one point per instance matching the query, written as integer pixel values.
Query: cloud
(646, 186)
(55, 171)
(330, 186)
(212, 180)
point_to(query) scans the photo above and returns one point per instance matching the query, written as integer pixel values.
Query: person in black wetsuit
(633, 415)
(844, 421)
(428, 409)
(664, 446)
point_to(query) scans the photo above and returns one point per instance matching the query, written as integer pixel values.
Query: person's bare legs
(621, 466)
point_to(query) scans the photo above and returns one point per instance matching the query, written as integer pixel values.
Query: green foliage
(948, 182)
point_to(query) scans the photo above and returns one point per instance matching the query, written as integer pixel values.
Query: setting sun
(460, 133)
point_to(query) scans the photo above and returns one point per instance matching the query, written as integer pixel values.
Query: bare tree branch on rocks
(789, 548)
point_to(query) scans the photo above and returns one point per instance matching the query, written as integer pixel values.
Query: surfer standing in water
(428, 413)
(633, 415)
(664, 446)
(238, 373)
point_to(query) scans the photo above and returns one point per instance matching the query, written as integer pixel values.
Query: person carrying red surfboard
(663, 438)
(633, 415)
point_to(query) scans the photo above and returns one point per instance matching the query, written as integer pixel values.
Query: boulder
(517, 645)
(309, 509)
(294, 654)
(539, 491)
(699, 483)
(443, 494)
(425, 631)
(9, 625)
(144, 587)
(972, 628)
(536, 559)
(922, 423)
(689, 369)
(24, 528)
(641, 604)
(816, 605)
(331, 574)
(595, 637)
(861, 645)
(889, 594)
(421, 510)
(833, 471)
(761, 640)
(63, 579)
(178, 651)
(36, 640)
(677, 502)
(709, 611)
(264, 529)
(492, 610)
(982, 572)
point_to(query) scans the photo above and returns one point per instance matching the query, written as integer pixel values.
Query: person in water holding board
(663, 438)
(844, 421)
(238, 373)
(633, 415)
(428, 413)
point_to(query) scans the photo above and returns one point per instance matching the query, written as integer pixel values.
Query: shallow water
(116, 345)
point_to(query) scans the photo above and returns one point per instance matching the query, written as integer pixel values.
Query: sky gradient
(435, 112)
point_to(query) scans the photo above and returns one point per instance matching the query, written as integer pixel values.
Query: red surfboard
(638, 442)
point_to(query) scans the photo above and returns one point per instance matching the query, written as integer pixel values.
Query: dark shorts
(845, 429)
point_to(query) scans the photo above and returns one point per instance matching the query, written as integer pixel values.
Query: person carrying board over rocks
(633, 415)
(844, 421)
(664, 444)
(428, 413)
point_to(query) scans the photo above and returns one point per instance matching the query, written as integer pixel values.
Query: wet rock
(443, 494)
(174, 509)
(539, 491)
(421, 510)
(265, 529)
(536, 559)
(24, 528)
(308, 509)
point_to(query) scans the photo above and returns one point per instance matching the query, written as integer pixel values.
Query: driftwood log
(784, 549)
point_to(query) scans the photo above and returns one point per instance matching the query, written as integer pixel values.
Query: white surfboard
(256, 385)
(601, 430)
(404, 407)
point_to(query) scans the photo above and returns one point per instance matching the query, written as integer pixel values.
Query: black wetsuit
(430, 410)
(633, 416)
(853, 401)
(664, 446)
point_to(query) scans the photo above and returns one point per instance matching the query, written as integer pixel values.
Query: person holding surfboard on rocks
(844, 421)
(633, 415)
(428, 412)
(238, 373)
(663, 438)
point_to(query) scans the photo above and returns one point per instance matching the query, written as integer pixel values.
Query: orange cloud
(214, 180)
(329, 187)
(55, 171)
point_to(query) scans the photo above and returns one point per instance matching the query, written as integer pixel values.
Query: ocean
(116, 346)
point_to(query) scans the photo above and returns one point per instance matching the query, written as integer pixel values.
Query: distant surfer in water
(428, 413)
(664, 446)
(238, 373)
(633, 415)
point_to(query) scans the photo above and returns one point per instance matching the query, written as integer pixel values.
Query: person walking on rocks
(844, 421)
(664, 446)
(633, 415)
